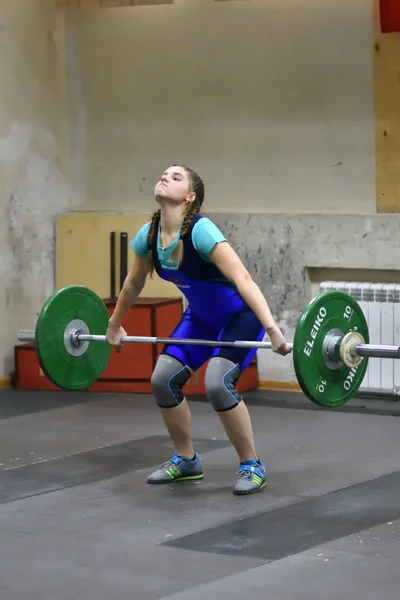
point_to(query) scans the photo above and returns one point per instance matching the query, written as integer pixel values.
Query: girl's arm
(133, 285)
(229, 263)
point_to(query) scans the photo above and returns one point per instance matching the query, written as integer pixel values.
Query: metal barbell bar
(26, 335)
(360, 350)
(376, 351)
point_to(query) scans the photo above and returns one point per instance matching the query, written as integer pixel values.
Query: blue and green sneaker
(251, 477)
(178, 468)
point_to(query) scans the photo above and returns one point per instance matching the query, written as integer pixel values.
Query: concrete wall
(33, 142)
(277, 114)
(270, 100)
(289, 255)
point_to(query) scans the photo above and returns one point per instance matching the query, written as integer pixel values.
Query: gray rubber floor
(78, 521)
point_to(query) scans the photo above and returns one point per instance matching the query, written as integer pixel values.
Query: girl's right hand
(114, 335)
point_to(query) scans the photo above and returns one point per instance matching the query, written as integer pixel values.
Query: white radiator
(380, 303)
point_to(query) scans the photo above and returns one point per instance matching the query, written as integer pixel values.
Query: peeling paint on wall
(35, 191)
(76, 118)
(278, 249)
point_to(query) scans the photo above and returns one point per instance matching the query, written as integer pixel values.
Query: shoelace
(168, 464)
(245, 474)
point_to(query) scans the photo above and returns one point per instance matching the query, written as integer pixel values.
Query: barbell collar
(26, 335)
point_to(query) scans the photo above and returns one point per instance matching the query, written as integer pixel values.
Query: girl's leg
(222, 374)
(174, 367)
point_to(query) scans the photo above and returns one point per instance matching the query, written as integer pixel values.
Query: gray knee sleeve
(220, 382)
(168, 378)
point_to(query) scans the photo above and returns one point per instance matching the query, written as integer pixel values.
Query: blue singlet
(216, 311)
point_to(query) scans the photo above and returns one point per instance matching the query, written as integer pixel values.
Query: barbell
(330, 347)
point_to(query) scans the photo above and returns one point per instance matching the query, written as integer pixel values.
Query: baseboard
(5, 382)
(291, 386)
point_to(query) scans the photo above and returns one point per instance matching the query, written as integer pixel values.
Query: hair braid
(150, 238)
(177, 252)
(187, 221)
(197, 186)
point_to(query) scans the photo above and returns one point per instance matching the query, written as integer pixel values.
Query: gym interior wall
(278, 118)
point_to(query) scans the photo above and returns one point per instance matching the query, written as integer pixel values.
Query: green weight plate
(66, 366)
(325, 384)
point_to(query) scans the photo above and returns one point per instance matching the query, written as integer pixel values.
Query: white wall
(276, 113)
(270, 100)
(32, 184)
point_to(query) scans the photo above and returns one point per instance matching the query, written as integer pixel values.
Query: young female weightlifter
(224, 304)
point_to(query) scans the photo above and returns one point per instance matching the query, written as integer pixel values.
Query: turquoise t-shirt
(205, 234)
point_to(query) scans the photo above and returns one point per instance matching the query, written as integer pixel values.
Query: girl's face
(174, 185)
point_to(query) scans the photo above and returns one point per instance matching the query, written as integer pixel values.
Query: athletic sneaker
(178, 468)
(251, 477)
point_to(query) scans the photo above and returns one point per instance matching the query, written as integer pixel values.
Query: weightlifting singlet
(216, 310)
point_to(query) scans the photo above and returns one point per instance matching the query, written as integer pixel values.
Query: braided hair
(196, 186)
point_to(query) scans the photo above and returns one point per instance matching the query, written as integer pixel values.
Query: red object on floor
(390, 16)
(130, 369)
(29, 375)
